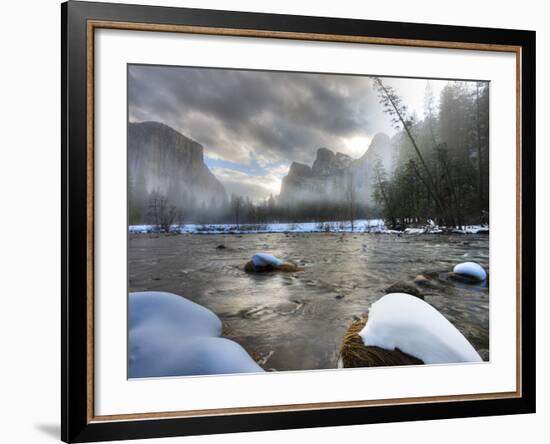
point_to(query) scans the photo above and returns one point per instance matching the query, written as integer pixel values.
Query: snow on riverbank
(472, 229)
(363, 225)
(169, 335)
(359, 226)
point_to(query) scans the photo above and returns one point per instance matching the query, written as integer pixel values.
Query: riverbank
(376, 226)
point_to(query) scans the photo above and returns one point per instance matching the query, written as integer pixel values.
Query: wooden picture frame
(79, 22)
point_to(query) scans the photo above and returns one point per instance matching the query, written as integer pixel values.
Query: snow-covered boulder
(158, 313)
(354, 353)
(261, 262)
(471, 270)
(169, 335)
(265, 260)
(404, 322)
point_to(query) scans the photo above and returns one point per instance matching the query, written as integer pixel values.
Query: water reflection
(296, 321)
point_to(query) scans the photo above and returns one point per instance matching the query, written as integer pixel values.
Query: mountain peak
(380, 138)
(299, 169)
(379, 143)
(324, 154)
(326, 162)
(329, 177)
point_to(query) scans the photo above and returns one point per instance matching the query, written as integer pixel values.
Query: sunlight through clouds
(256, 188)
(254, 124)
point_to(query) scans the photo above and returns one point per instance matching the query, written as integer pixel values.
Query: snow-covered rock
(263, 262)
(169, 335)
(471, 269)
(157, 312)
(266, 260)
(404, 322)
(355, 354)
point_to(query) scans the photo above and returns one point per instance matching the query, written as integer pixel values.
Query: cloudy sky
(253, 124)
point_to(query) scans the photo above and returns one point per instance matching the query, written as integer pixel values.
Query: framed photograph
(275, 221)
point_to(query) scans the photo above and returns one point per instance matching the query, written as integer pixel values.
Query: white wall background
(30, 207)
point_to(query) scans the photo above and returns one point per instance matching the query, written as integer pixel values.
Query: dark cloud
(270, 116)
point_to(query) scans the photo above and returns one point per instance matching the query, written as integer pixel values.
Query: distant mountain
(163, 160)
(331, 175)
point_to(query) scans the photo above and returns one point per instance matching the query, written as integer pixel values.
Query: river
(296, 321)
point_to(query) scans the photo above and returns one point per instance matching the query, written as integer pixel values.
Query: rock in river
(427, 280)
(169, 335)
(404, 287)
(402, 330)
(265, 260)
(262, 262)
(401, 321)
(469, 272)
(354, 353)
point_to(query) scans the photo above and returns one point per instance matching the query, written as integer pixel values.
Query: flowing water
(296, 321)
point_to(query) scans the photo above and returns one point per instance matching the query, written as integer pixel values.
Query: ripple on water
(296, 321)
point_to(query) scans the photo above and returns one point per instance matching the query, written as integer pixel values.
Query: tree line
(442, 171)
(238, 210)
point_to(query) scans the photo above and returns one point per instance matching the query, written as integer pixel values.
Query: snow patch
(169, 335)
(359, 226)
(402, 321)
(472, 229)
(415, 230)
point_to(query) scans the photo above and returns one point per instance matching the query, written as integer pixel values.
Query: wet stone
(404, 287)
(463, 278)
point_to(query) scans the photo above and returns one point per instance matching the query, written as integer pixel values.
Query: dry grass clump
(249, 267)
(355, 353)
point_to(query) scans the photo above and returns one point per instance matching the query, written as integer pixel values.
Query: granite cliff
(163, 160)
